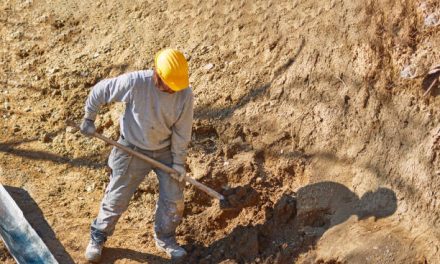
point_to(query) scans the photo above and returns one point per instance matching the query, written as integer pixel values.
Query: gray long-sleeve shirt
(153, 119)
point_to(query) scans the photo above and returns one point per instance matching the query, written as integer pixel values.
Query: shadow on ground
(111, 255)
(35, 217)
(11, 148)
(295, 224)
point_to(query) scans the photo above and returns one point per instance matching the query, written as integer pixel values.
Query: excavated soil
(310, 117)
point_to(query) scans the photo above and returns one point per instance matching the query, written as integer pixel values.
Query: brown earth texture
(312, 115)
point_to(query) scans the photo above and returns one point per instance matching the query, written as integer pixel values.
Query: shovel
(224, 203)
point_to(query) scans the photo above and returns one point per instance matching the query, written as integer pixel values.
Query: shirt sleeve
(116, 89)
(181, 132)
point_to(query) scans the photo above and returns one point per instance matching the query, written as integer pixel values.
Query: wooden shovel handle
(172, 172)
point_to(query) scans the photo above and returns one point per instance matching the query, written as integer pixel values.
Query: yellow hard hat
(172, 68)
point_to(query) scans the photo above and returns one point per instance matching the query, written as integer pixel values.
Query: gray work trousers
(127, 173)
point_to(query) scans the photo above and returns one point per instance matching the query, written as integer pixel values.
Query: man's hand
(181, 171)
(87, 127)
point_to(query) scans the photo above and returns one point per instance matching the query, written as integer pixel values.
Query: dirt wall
(291, 98)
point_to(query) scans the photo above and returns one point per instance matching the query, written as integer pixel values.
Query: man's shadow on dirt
(295, 223)
(111, 255)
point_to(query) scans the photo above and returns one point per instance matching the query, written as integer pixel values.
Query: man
(157, 122)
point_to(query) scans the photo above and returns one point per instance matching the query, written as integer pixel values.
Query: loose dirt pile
(309, 115)
(241, 197)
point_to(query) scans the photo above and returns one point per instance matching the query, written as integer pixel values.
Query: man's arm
(106, 91)
(109, 90)
(181, 135)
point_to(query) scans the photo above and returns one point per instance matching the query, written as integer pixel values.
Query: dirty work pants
(127, 173)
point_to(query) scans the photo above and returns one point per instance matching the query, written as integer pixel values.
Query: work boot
(170, 246)
(93, 251)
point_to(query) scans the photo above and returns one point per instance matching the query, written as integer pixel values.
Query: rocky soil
(310, 114)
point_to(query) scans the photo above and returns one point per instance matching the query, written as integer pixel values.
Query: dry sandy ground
(301, 101)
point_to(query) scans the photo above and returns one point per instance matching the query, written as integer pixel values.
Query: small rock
(46, 138)
(187, 56)
(42, 19)
(90, 188)
(208, 66)
(408, 72)
(56, 92)
(26, 3)
(204, 50)
(70, 130)
(84, 73)
(17, 129)
(53, 70)
(432, 20)
(107, 49)
(96, 55)
(44, 91)
(273, 45)
(28, 109)
(58, 23)
(17, 35)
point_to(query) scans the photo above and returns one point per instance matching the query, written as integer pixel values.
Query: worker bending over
(157, 122)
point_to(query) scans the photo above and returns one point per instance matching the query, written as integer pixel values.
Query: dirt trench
(306, 105)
